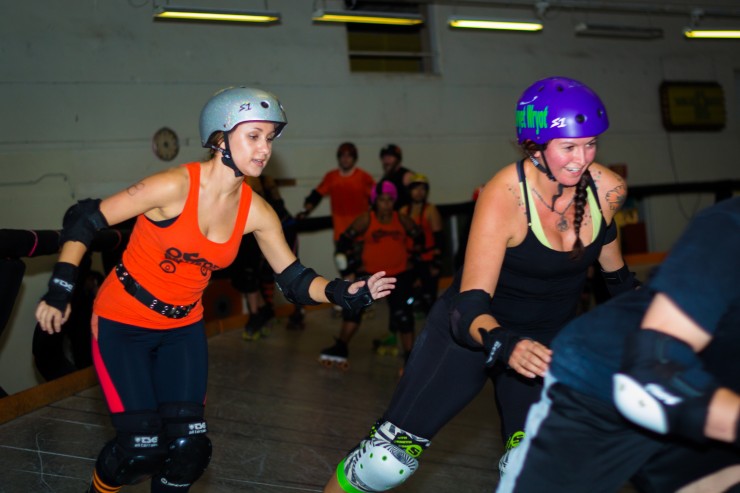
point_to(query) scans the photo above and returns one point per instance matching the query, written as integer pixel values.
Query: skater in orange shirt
(385, 233)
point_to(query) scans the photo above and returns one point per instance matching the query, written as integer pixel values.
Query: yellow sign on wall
(692, 105)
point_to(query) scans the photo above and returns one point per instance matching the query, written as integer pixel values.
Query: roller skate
(256, 327)
(296, 320)
(387, 346)
(512, 443)
(335, 356)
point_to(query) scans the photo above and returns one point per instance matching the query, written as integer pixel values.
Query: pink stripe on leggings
(111, 394)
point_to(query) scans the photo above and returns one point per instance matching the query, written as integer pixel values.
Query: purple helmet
(558, 107)
(383, 187)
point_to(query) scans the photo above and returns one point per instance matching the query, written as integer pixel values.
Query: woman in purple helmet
(538, 225)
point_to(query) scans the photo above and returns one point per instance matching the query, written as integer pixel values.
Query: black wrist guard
(620, 281)
(61, 286)
(337, 291)
(498, 344)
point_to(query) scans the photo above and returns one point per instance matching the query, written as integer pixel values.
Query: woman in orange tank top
(149, 344)
(426, 259)
(385, 233)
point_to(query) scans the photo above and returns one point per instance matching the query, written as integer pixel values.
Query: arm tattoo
(133, 189)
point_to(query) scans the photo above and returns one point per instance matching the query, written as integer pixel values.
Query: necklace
(562, 223)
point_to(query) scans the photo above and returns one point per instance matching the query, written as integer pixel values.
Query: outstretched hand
(378, 285)
(530, 358)
(51, 319)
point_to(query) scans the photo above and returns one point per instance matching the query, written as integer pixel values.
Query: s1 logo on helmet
(558, 123)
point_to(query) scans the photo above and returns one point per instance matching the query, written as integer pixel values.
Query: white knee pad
(381, 462)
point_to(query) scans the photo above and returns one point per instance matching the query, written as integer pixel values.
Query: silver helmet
(234, 105)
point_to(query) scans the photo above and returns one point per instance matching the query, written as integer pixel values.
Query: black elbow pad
(294, 282)
(82, 221)
(466, 307)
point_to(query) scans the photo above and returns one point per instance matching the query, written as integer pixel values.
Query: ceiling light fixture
(617, 31)
(694, 32)
(711, 33)
(367, 17)
(168, 12)
(495, 24)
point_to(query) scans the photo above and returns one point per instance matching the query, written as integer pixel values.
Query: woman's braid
(580, 206)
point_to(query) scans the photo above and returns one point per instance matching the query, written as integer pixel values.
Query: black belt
(137, 291)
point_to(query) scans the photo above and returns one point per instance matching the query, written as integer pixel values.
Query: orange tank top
(421, 220)
(174, 263)
(385, 246)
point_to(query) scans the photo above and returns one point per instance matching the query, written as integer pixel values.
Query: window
(390, 49)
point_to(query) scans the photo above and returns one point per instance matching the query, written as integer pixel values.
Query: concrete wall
(85, 84)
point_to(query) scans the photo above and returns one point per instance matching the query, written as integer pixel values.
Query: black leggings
(442, 377)
(140, 369)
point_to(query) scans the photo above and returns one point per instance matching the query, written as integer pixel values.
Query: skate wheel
(326, 363)
(344, 365)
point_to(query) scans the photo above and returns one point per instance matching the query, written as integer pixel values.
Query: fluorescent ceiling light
(711, 33)
(505, 24)
(366, 17)
(188, 13)
(617, 31)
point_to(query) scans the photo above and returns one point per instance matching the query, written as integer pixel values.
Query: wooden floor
(279, 422)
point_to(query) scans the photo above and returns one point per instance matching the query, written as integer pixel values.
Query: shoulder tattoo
(616, 197)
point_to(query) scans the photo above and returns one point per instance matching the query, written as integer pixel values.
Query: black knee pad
(402, 320)
(188, 449)
(137, 452)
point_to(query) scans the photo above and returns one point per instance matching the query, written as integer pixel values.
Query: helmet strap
(226, 156)
(542, 166)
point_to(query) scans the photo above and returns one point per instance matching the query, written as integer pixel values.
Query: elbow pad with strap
(620, 281)
(662, 385)
(466, 307)
(294, 282)
(82, 221)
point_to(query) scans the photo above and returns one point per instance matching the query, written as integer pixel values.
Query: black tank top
(539, 289)
(396, 177)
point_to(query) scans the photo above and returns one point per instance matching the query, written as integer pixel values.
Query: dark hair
(529, 147)
(391, 150)
(580, 205)
(347, 147)
(213, 141)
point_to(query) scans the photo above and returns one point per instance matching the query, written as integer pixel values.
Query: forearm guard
(620, 281)
(61, 286)
(337, 291)
(498, 344)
